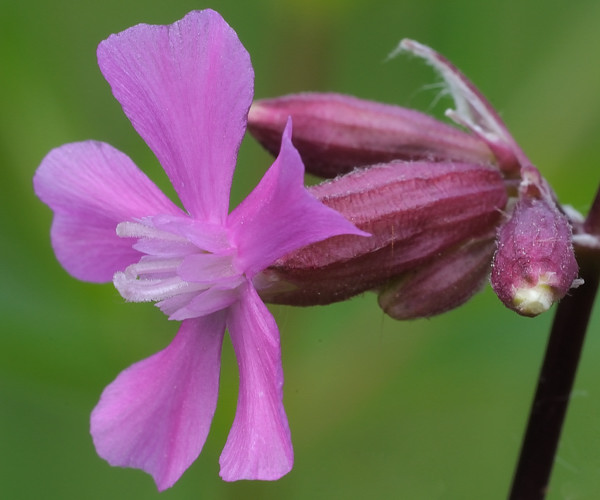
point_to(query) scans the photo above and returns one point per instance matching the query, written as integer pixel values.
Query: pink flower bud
(534, 265)
(335, 133)
(444, 283)
(414, 212)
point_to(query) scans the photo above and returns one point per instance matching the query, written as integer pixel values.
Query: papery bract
(186, 88)
(473, 110)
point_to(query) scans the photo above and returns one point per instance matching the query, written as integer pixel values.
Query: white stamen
(139, 230)
(152, 266)
(147, 290)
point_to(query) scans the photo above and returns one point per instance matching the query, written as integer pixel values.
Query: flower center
(187, 267)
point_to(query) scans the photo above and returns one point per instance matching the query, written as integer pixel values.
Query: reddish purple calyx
(335, 133)
(415, 212)
(534, 265)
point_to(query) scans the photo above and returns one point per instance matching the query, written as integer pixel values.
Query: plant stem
(557, 375)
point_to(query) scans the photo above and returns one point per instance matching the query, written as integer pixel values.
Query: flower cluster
(445, 207)
(186, 88)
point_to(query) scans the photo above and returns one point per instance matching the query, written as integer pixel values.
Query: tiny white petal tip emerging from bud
(534, 300)
(535, 264)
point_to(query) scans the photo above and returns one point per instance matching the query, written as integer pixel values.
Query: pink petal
(207, 268)
(280, 215)
(156, 415)
(259, 444)
(91, 187)
(207, 302)
(186, 88)
(204, 235)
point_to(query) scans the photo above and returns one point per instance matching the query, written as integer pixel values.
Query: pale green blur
(378, 408)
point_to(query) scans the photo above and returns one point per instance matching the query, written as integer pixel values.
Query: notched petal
(186, 88)
(259, 445)
(156, 415)
(91, 188)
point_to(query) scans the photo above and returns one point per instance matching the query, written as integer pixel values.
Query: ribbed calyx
(443, 283)
(414, 211)
(432, 196)
(335, 133)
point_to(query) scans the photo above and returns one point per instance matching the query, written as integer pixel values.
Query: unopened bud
(534, 265)
(442, 284)
(335, 133)
(414, 212)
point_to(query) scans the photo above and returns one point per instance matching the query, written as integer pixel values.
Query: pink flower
(187, 89)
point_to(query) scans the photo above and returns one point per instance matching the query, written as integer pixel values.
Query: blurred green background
(381, 409)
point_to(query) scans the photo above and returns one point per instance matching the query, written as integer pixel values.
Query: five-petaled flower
(187, 89)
